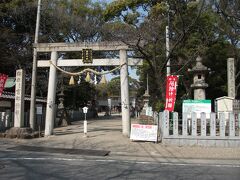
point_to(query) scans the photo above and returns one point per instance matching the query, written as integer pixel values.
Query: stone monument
(231, 77)
(19, 99)
(199, 85)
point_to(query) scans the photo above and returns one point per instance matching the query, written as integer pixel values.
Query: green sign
(196, 101)
(197, 106)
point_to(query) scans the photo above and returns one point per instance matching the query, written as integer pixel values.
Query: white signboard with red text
(171, 91)
(142, 132)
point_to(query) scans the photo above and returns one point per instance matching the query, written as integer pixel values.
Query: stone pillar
(160, 122)
(49, 124)
(124, 93)
(231, 77)
(213, 124)
(222, 124)
(199, 94)
(175, 124)
(19, 98)
(231, 125)
(184, 124)
(194, 124)
(203, 124)
(166, 124)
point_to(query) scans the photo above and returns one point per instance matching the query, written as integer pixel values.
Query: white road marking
(122, 161)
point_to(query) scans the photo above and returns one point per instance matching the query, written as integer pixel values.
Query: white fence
(5, 120)
(221, 131)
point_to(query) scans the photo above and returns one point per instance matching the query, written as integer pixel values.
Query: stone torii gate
(124, 62)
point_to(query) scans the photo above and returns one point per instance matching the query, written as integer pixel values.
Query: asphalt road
(31, 165)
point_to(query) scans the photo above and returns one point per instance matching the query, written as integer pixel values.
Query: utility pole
(168, 51)
(34, 71)
(168, 44)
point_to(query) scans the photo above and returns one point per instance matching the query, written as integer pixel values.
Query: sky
(132, 74)
(131, 71)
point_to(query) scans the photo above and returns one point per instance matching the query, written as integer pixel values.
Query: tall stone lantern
(199, 85)
(146, 98)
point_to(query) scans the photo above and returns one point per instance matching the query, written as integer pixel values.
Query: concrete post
(160, 122)
(194, 124)
(239, 122)
(34, 72)
(203, 124)
(213, 124)
(166, 124)
(231, 125)
(124, 93)
(175, 124)
(222, 124)
(51, 96)
(184, 124)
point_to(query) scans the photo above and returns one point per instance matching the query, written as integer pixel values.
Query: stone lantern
(61, 99)
(199, 85)
(146, 97)
(62, 114)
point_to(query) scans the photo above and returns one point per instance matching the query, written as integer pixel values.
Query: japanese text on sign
(171, 91)
(142, 132)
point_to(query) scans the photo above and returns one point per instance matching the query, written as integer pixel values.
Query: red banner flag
(3, 79)
(171, 91)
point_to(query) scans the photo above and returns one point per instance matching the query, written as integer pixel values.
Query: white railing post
(4, 119)
(231, 125)
(213, 124)
(239, 124)
(175, 124)
(1, 123)
(160, 124)
(184, 124)
(7, 120)
(166, 123)
(239, 120)
(194, 124)
(222, 124)
(203, 124)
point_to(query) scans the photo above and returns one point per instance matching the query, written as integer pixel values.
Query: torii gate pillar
(49, 123)
(124, 93)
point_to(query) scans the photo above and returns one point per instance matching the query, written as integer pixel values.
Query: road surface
(36, 165)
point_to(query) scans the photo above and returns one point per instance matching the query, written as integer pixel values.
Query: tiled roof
(10, 95)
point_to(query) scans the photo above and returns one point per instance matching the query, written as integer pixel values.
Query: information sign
(143, 132)
(197, 106)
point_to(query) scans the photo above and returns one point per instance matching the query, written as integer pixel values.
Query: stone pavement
(106, 134)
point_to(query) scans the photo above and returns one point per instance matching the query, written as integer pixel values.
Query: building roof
(11, 95)
(224, 97)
